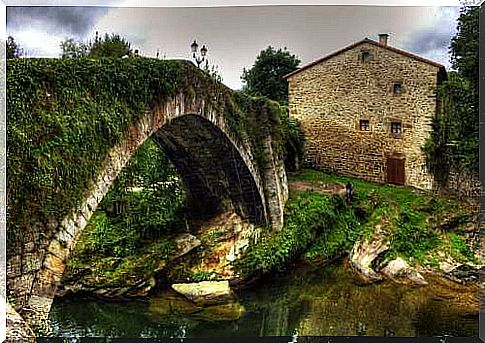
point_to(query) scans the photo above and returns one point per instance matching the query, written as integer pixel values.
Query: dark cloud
(74, 21)
(429, 40)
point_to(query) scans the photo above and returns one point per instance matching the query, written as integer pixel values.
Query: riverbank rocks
(205, 292)
(399, 271)
(224, 240)
(184, 243)
(17, 330)
(466, 273)
(365, 252)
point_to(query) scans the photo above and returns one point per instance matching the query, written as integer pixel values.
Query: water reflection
(315, 301)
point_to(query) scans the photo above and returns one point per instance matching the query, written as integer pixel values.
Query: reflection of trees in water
(434, 318)
(317, 301)
(328, 303)
(100, 319)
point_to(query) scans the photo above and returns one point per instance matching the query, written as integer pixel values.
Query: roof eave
(365, 40)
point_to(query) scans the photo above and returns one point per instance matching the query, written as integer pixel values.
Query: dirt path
(318, 187)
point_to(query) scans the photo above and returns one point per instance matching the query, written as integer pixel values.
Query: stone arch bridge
(203, 127)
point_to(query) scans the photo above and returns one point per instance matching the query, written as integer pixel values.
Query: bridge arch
(215, 172)
(212, 160)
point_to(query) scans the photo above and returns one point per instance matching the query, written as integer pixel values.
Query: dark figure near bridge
(348, 192)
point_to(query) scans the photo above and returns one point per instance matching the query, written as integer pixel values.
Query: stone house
(366, 112)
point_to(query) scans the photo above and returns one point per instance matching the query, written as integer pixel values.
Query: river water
(314, 300)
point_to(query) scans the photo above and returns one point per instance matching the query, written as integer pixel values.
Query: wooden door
(395, 170)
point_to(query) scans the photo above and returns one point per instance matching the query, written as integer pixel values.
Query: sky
(235, 35)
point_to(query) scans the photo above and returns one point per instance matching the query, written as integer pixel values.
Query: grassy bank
(424, 229)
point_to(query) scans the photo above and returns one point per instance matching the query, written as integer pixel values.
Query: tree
(455, 140)
(73, 49)
(266, 75)
(13, 50)
(110, 46)
(464, 46)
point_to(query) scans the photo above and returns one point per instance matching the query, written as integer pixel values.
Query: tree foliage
(265, 78)
(13, 50)
(72, 49)
(455, 142)
(464, 46)
(112, 45)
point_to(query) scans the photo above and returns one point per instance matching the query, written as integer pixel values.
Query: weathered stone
(14, 266)
(365, 252)
(400, 271)
(32, 262)
(217, 165)
(332, 96)
(205, 292)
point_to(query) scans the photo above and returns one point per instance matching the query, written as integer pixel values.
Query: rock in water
(364, 253)
(465, 273)
(401, 272)
(205, 292)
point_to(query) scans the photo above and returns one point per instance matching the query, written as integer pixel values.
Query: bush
(306, 216)
(110, 240)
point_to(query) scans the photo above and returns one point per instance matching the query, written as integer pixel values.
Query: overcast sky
(235, 35)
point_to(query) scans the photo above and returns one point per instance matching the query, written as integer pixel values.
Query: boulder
(365, 252)
(205, 292)
(399, 271)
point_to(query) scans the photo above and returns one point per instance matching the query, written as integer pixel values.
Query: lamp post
(199, 58)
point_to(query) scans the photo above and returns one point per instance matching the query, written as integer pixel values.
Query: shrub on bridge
(62, 117)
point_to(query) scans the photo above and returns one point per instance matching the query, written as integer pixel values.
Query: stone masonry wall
(331, 97)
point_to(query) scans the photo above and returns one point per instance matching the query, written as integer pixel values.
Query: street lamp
(199, 58)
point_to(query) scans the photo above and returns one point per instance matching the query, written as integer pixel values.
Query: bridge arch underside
(216, 176)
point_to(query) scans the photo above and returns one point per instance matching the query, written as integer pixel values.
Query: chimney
(383, 38)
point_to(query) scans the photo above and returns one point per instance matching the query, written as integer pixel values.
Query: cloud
(71, 21)
(432, 40)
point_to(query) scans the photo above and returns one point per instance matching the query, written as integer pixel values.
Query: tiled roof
(365, 40)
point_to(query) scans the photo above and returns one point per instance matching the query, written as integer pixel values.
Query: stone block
(14, 266)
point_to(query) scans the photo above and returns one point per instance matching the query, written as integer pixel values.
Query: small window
(397, 88)
(364, 125)
(396, 128)
(365, 56)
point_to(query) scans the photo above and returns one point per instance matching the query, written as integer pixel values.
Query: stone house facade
(366, 112)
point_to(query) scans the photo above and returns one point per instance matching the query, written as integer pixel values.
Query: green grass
(413, 218)
(460, 250)
(307, 215)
